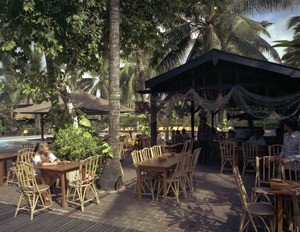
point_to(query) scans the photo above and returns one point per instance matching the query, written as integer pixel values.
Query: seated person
(258, 139)
(178, 138)
(185, 135)
(231, 138)
(44, 157)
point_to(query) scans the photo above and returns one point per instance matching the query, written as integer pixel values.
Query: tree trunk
(112, 172)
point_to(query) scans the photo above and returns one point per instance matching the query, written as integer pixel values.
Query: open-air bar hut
(218, 79)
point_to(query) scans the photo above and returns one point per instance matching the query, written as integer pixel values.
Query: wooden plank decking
(48, 221)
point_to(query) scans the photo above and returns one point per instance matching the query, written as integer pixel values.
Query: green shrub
(78, 143)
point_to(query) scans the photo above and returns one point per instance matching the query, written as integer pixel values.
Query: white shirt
(37, 158)
(291, 145)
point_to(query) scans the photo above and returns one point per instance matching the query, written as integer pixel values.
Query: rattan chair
(228, 156)
(190, 177)
(149, 179)
(263, 211)
(187, 147)
(296, 208)
(83, 189)
(250, 151)
(156, 151)
(175, 180)
(267, 168)
(146, 153)
(274, 150)
(290, 169)
(31, 192)
(25, 155)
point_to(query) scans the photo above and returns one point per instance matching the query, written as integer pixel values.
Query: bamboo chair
(31, 192)
(251, 210)
(24, 155)
(266, 168)
(274, 150)
(290, 169)
(296, 206)
(187, 147)
(190, 177)
(146, 153)
(156, 151)
(175, 180)
(28, 145)
(250, 151)
(149, 179)
(228, 156)
(83, 189)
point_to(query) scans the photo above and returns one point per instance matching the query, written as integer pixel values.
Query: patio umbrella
(86, 102)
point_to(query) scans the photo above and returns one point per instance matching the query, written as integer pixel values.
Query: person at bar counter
(44, 157)
(258, 139)
(204, 136)
(291, 138)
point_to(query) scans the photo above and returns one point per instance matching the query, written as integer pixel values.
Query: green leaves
(78, 143)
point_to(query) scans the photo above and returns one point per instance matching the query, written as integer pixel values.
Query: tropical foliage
(292, 51)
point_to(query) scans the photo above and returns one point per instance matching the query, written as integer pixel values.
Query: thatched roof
(88, 103)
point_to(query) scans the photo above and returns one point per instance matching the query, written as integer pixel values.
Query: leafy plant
(79, 143)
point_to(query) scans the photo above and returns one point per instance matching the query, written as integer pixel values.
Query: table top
(61, 168)
(170, 161)
(283, 187)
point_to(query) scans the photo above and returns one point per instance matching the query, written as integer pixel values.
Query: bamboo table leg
(279, 215)
(139, 183)
(63, 190)
(165, 185)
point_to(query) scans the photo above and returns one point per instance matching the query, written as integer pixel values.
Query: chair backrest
(241, 188)
(290, 169)
(296, 208)
(274, 150)
(88, 168)
(136, 156)
(156, 151)
(181, 166)
(23, 150)
(195, 157)
(26, 157)
(266, 168)
(227, 150)
(249, 150)
(28, 145)
(146, 153)
(187, 147)
(26, 176)
(121, 150)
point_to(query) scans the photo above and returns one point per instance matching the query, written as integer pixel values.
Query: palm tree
(210, 24)
(292, 51)
(112, 172)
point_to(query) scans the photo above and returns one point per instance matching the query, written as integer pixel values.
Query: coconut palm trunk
(111, 175)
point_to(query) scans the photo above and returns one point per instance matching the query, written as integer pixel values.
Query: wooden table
(4, 157)
(282, 189)
(156, 166)
(62, 170)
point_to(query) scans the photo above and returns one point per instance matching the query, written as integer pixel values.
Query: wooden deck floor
(47, 221)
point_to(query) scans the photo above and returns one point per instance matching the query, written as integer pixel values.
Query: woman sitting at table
(44, 157)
